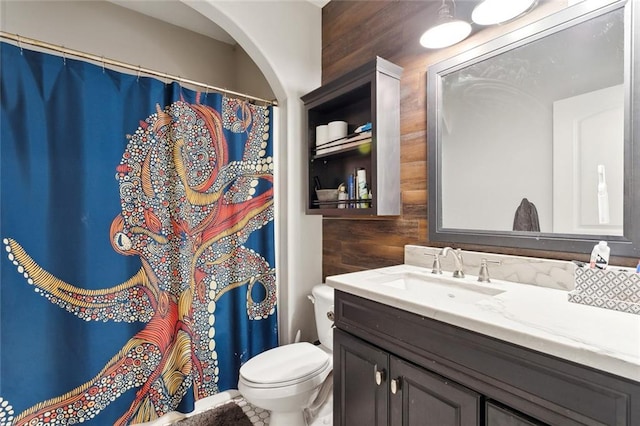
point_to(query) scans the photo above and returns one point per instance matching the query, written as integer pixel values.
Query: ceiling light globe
(491, 12)
(445, 34)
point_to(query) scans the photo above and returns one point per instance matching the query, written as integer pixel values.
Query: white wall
(282, 37)
(105, 29)
(249, 78)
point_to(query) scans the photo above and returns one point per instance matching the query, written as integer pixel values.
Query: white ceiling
(177, 13)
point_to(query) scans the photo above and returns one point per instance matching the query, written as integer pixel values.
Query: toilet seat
(285, 366)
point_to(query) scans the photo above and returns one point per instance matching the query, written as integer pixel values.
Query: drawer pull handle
(395, 386)
(379, 375)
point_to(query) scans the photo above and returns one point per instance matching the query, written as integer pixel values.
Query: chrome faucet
(483, 275)
(457, 259)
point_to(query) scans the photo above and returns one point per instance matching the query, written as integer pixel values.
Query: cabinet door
(421, 398)
(360, 382)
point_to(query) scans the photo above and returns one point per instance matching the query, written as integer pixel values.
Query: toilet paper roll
(337, 130)
(322, 134)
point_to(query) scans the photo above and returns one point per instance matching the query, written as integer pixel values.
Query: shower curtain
(136, 218)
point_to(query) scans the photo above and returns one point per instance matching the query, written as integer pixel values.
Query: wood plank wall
(355, 32)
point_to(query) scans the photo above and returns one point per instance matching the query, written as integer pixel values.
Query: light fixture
(491, 12)
(447, 31)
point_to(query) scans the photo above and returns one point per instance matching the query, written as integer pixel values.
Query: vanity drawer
(497, 415)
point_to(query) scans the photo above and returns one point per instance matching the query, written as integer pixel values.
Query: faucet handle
(483, 275)
(436, 268)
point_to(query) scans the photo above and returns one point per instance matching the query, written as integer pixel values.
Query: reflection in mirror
(504, 140)
(530, 136)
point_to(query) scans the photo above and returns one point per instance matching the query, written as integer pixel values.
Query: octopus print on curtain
(122, 300)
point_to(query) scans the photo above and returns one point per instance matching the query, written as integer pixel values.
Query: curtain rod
(101, 59)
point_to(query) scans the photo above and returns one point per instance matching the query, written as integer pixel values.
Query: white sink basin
(438, 286)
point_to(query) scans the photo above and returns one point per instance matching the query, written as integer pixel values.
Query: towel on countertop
(526, 217)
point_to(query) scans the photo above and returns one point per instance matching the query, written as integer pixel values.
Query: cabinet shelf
(355, 141)
(368, 94)
(346, 203)
(365, 145)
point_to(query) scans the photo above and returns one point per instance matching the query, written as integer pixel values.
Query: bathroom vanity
(411, 349)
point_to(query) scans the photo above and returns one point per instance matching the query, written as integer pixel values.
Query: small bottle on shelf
(351, 190)
(342, 196)
(361, 177)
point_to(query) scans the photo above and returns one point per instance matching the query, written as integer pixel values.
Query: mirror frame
(627, 245)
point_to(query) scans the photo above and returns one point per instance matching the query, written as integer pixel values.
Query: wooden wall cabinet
(392, 367)
(368, 94)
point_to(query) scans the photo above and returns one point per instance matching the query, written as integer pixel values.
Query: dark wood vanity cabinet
(392, 367)
(380, 389)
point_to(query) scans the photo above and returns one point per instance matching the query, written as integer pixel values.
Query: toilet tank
(323, 304)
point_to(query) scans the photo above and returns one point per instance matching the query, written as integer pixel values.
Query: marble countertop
(534, 317)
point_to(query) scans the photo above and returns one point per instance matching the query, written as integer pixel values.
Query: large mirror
(533, 137)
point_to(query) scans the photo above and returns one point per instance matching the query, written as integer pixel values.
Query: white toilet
(286, 380)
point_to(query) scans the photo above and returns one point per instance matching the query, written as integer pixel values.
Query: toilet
(286, 380)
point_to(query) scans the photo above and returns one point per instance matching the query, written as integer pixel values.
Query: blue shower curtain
(136, 217)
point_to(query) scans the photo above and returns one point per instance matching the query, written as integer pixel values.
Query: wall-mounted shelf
(368, 94)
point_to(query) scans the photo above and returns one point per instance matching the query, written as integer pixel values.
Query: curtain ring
(19, 44)
(64, 57)
(166, 78)
(102, 64)
(138, 79)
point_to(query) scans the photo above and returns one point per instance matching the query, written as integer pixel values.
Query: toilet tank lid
(285, 363)
(322, 290)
